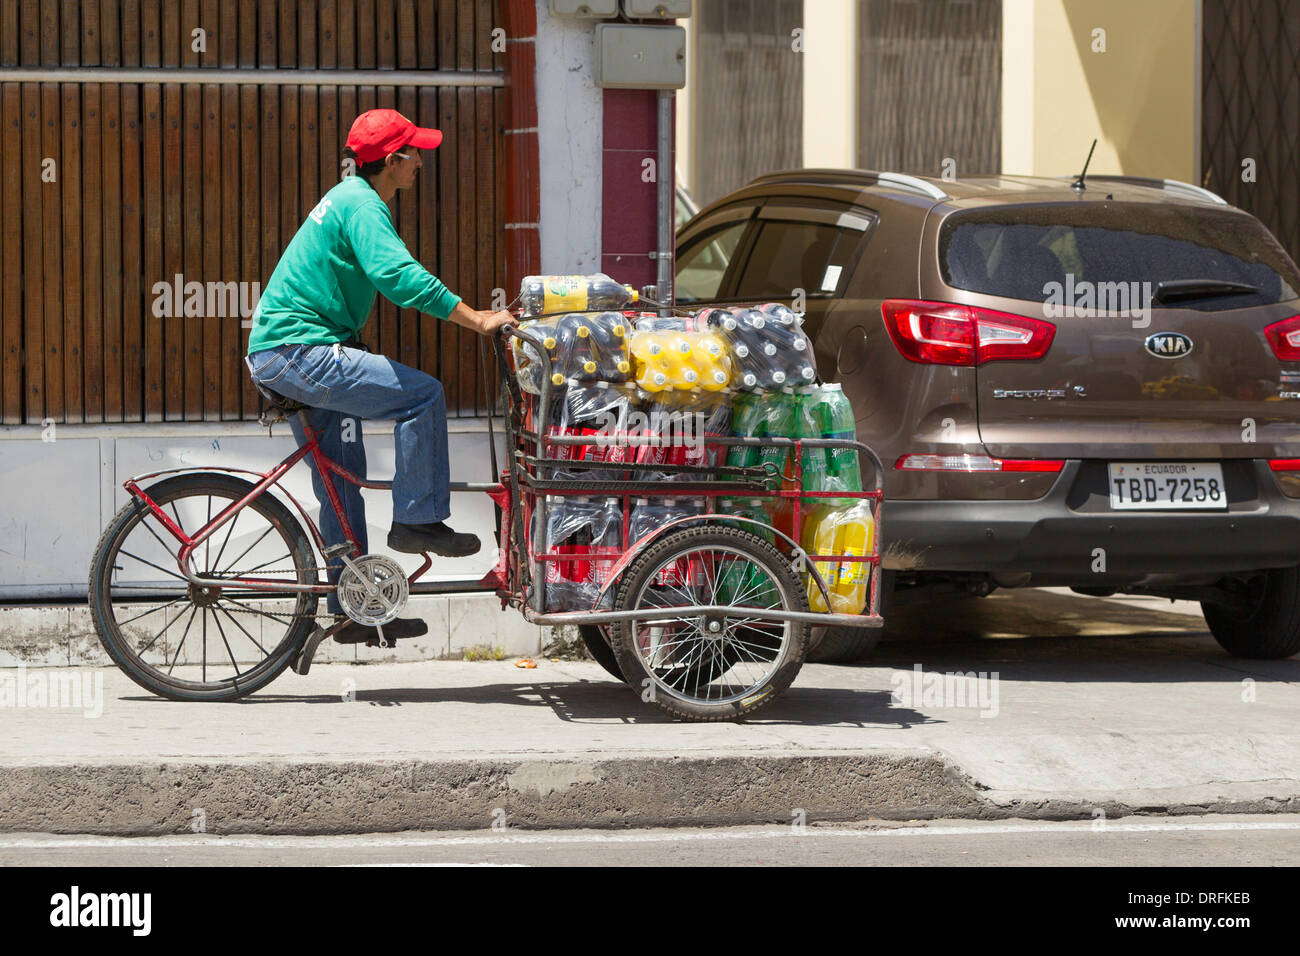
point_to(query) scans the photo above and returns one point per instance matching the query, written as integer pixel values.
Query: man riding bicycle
(305, 346)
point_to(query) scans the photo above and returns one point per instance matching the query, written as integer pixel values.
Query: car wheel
(842, 645)
(1271, 629)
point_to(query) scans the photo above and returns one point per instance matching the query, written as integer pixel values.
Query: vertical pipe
(664, 179)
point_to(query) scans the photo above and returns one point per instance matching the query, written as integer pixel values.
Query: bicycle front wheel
(186, 642)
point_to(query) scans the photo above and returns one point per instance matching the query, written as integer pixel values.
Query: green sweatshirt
(324, 286)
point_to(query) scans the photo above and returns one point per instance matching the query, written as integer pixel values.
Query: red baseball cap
(376, 133)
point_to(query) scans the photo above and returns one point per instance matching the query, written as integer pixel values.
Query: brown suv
(1093, 385)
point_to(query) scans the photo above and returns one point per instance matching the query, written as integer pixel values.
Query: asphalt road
(1228, 840)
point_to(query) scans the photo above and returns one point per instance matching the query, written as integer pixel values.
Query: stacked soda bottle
(599, 412)
(548, 295)
(838, 526)
(581, 348)
(585, 532)
(681, 426)
(681, 360)
(769, 348)
(648, 516)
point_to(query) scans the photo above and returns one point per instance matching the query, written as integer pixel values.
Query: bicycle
(268, 593)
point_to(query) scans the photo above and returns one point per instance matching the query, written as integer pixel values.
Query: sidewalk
(1147, 717)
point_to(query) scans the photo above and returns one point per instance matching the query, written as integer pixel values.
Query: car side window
(702, 265)
(809, 255)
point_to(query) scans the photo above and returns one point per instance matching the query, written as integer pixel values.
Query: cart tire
(773, 648)
(842, 645)
(593, 635)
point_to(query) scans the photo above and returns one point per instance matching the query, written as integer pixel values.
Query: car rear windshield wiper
(1177, 290)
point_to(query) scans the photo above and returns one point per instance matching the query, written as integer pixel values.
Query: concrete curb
(281, 797)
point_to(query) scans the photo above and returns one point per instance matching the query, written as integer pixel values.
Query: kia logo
(1168, 345)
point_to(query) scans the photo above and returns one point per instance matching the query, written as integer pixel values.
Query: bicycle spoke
(141, 651)
(148, 612)
(230, 529)
(235, 621)
(152, 565)
(222, 631)
(183, 636)
(269, 529)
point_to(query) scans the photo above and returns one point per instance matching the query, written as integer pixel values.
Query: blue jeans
(352, 383)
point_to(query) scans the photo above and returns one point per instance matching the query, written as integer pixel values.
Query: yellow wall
(1139, 98)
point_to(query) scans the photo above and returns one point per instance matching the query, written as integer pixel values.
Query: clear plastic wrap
(682, 423)
(648, 516)
(587, 533)
(529, 366)
(547, 295)
(680, 360)
(600, 411)
(768, 346)
(846, 531)
(825, 412)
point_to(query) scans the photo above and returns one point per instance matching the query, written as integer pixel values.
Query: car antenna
(1078, 183)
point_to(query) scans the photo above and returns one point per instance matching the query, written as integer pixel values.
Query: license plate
(1160, 485)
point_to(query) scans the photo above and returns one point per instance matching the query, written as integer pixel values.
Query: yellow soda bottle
(854, 536)
(819, 529)
(709, 356)
(651, 370)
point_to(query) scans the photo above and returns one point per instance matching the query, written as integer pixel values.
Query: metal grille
(930, 84)
(749, 112)
(1250, 109)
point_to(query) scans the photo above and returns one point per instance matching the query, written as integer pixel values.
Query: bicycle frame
(326, 466)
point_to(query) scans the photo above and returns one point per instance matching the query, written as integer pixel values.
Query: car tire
(843, 645)
(1271, 631)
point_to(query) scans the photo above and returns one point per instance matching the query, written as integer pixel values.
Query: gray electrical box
(596, 9)
(633, 57)
(656, 9)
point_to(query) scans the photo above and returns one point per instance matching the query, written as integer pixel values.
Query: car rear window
(1019, 251)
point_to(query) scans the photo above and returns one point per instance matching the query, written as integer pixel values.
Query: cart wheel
(595, 636)
(719, 666)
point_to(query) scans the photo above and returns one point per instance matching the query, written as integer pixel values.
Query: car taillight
(1284, 337)
(941, 333)
(971, 463)
(1284, 464)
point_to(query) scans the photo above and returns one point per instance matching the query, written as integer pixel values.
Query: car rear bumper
(1058, 536)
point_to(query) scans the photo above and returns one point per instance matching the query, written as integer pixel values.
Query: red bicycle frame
(325, 465)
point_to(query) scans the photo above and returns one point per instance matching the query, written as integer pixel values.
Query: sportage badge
(1168, 345)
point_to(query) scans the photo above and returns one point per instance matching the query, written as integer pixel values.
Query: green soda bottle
(780, 412)
(810, 423)
(746, 422)
(739, 580)
(843, 473)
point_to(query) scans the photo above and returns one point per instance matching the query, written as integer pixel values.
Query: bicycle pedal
(337, 549)
(301, 664)
(380, 641)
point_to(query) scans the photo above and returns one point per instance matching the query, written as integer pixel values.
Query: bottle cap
(589, 367)
(689, 375)
(759, 322)
(623, 366)
(769, 348)
(750, 379)
(548, 342)
(619, 330)
(660, 378)
(742, 350)
(778, 377)
(583, 331)
(799, 345)
(557, 379)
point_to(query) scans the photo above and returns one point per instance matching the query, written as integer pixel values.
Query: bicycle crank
(372, 589)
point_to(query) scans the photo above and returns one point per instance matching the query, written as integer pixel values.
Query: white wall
(56, 496)
(569, 140)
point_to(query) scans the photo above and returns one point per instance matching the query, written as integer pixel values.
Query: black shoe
(356, 633)
(437, 538)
